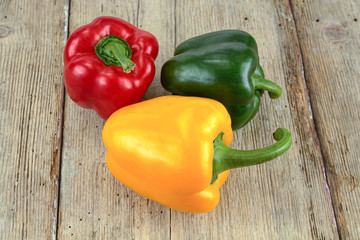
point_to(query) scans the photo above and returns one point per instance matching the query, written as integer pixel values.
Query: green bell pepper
(224, 66)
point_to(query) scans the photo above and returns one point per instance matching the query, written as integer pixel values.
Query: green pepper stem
(260, 83)
(226, 158)
(113, 50)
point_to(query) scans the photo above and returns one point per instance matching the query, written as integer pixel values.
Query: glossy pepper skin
(224, 66)
(164, 150)
(109, 64)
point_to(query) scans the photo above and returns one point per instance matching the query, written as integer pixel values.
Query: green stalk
(263, 84)
(113, 50)
(226, 158)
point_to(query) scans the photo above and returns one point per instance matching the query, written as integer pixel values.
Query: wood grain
(93, 203)
(309, 48)
(329, 38)
(286, 198)
(31, 93)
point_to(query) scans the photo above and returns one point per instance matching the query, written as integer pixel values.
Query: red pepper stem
(113, 50)
(260, 83)
(226, 158)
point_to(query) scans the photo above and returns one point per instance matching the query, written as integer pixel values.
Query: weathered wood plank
(93, 203)
(31, 93)
(288, 197)
(329, 38)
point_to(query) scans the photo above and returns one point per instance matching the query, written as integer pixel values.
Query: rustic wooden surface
(54, 180)
(31, 112)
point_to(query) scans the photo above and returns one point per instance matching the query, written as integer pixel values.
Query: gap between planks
(60, 126)
(312, 118)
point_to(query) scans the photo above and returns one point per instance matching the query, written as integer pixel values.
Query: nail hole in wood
(317, 20)
(355, 19)
(246, 18)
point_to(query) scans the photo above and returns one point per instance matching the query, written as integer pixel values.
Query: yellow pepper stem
(226, 158)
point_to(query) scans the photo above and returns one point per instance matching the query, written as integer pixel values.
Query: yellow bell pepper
(174, 150)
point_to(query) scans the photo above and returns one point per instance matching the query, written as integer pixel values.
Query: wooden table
(54, 179)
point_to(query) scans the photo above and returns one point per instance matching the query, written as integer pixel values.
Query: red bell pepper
(109, 64)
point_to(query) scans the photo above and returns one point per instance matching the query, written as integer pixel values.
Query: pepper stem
(260, 83)
(226, 158)
(113, 50)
